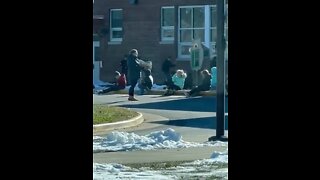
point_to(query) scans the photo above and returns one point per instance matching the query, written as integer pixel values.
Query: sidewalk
(161, 92)
(159, 155)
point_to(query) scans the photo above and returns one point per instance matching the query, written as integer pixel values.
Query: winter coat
(205, 84)
(146, 79)
(167, 64)
(124, 66)
(133, 68)
(213, 76)
(122, 82)
(179, 81)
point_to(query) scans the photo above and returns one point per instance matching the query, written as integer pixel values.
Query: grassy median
(108, 114)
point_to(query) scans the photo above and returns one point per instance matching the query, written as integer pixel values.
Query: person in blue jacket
(214, 73)
(178, 80)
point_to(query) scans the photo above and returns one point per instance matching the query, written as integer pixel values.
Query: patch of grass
(109, 114)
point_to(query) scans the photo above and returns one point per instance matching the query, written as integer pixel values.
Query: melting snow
(165, 139)
(196, 169)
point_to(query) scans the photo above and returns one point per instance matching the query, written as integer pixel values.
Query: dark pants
(196, 90)
(168, 78)
(111, 88)
(174, 87)
(133, 83)
(125, 72)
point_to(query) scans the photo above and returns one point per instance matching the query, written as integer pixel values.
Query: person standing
(166, 69)
(124, 66)
(134, 69)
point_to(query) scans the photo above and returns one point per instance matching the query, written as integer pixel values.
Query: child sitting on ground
(119, 84)
(177, 83)
(204, 86)
(146, 79)
(213, 74)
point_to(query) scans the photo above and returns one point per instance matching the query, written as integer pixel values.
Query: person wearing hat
(120, 84)
(134, 69)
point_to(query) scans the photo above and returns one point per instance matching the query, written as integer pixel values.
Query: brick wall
(141, 28)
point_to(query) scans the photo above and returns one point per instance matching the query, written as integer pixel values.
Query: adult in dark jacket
(124, 65)
(204, 86)
(134, 69)
(166, 67)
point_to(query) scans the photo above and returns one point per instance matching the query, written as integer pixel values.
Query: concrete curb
(119, 125)
(161, 92)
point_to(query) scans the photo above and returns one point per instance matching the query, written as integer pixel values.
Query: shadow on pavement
(201, 104)
(206, 122)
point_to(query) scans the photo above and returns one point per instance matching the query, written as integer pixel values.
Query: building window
(213, 28)
(213, 24)
(116, 25)
(167, 23)
(193, 23)
(191, 26)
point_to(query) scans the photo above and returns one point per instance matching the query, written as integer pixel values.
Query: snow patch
(220, 157)
(206, 168)
(165, 139)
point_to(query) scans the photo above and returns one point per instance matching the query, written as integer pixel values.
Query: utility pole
(220, 74)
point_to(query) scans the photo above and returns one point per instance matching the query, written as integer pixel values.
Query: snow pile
(158, 87)
(100, 85)
(214, 168)
(220, 157)
(115, 171)
(165, 139)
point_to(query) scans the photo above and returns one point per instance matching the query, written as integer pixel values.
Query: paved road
(194, 118)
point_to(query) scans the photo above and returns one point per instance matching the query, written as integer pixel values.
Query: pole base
(216, 138)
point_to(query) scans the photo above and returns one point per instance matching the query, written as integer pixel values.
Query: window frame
(112, 29)
(179, 43)
(163, 28)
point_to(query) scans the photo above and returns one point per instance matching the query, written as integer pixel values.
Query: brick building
(157, 28)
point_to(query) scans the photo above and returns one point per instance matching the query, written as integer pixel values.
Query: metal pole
(220, 73)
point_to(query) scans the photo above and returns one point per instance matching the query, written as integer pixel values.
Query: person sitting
(119, 84)
(167, 65)
(213, 74)
(188, 82)
(178, 80)
(146, 81)
(204, 86)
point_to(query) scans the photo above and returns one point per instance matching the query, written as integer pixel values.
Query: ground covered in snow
(165, 139)
(214, 168)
